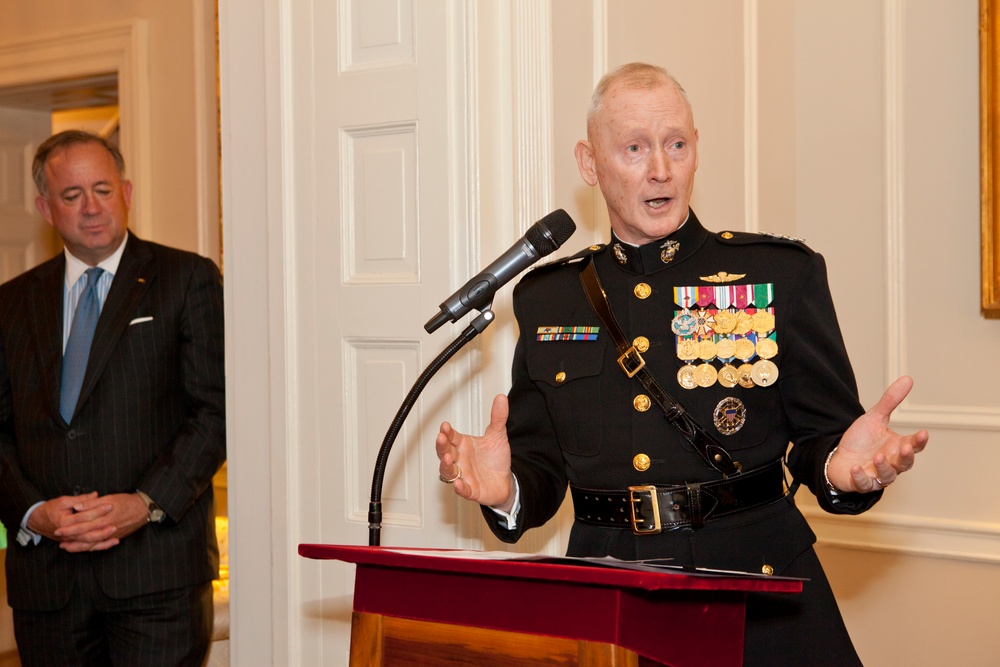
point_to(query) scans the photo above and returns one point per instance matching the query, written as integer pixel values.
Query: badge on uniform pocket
(730, 415)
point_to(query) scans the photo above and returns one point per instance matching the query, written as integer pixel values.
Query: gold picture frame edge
(989, 86)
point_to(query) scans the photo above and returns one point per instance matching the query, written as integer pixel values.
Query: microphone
(540, 240)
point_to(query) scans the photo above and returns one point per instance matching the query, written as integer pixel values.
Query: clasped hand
(89, 522)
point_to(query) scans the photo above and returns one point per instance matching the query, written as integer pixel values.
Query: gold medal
(764, 373)
(685, 377)
(725, 322)
(763, 322)
(745, 349)
(729, 377)
(687, 349)
(744, 323)
(744, 376)
(725, 349)
(766, 348)
(705, 375)
(730, 415)
(706, 350)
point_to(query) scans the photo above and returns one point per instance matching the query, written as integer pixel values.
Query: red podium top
(595, 572)
(676, 617)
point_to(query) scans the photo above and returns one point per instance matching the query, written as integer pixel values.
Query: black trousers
(792, 630)
(803, 629)
(170, 628)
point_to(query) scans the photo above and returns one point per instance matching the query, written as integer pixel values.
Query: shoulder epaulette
(749, 238)
(586, 252)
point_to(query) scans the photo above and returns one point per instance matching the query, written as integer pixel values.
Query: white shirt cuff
(511, 518)
(25, 534)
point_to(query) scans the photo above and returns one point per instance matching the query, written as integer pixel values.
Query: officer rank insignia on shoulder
(782, 236)
(586, 252)
(737, 238)
(554, 333)
(729, 324)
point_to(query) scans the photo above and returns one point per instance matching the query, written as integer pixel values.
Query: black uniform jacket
(151, 416)
(573, 416)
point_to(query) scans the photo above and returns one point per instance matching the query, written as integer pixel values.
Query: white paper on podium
(657, 565)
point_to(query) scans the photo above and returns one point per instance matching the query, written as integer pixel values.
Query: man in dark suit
(741, 330)
(106, 480)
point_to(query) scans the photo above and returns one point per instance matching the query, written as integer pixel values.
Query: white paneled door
(375, 195)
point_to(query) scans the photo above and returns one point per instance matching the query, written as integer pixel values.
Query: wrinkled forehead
(640, 102)
(80, 164)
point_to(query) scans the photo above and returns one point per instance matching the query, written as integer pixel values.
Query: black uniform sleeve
(818, 388)
(536, 456)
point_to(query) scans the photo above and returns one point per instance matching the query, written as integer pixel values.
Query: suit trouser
(171, 627)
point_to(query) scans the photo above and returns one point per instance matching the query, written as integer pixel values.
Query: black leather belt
(648, 510)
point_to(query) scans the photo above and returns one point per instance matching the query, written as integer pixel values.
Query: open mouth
(657, 203)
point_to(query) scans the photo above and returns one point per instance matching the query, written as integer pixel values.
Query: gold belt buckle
(632, 490)
(631, 353)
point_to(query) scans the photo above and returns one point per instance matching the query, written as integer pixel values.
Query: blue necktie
(78, 346)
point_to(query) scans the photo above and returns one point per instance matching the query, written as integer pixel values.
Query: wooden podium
(439, 608)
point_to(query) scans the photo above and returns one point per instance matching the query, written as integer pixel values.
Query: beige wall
(180, 84)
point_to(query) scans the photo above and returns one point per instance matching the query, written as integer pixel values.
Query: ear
(585, 161)
(696, 149)
(127, 192)
(42, 204)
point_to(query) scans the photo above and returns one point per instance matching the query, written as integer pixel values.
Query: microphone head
(550, 232)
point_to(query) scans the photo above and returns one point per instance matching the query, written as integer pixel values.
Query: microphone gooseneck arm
(477, 326)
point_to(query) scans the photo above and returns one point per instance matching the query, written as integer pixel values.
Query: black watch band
(155, 515)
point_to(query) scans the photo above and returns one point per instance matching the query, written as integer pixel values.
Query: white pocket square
(139, 320)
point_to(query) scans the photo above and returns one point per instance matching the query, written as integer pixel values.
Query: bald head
(637, 76)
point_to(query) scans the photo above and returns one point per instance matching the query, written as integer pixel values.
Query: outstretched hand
(479, 467)
(871, 455)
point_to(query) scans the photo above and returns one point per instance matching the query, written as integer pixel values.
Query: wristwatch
(156, 515)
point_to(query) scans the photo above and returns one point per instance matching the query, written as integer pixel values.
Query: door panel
(25, 238)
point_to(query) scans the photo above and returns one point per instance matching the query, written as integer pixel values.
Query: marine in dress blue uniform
(576, 418)
(740, 329)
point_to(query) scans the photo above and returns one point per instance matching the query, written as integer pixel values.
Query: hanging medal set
(729, 324)
(711, 451)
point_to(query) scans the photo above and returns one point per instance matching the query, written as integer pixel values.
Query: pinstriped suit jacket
(151, 415)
